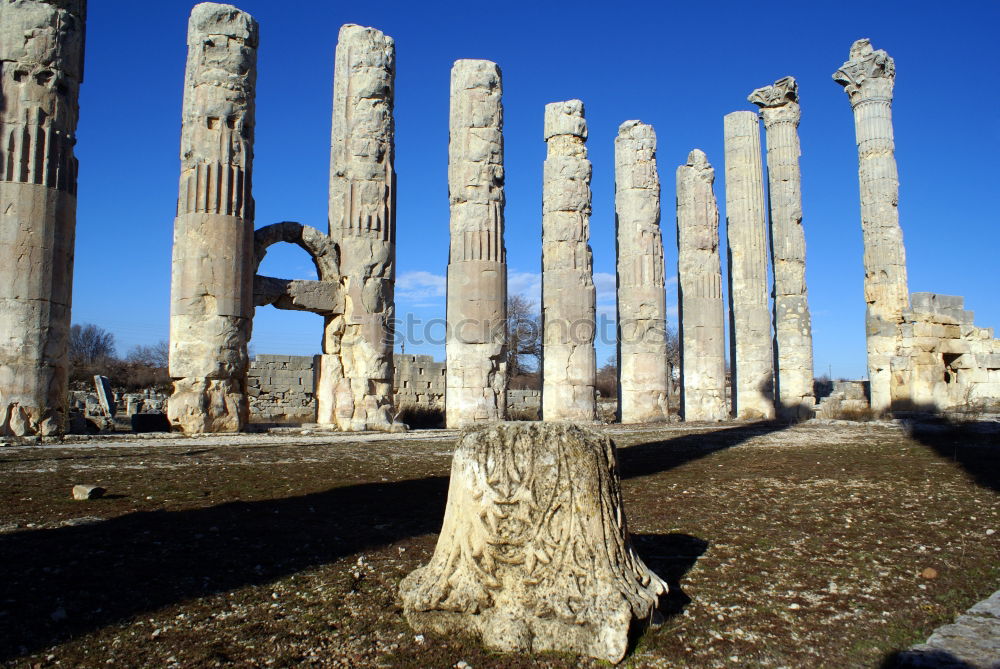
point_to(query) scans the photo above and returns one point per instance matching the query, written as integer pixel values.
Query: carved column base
(534, 553)
(349, 404)
(208, 405)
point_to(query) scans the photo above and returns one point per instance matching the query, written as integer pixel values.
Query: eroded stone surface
(534, 553)
(699, 277)
(868, 78)
(793, 381)
(212, 280)
(41, 60)
(569, 365)
(750, 318)
(356, 370)
(477, 261)
(642, 346)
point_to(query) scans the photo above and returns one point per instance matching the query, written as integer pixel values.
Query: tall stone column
(355, 383)
(750, 320)
(793, 383)
(476, 340)
(699, 278)
(211, 307)
(643, 385)
(868, 78)
(41, 65)
(569, 364)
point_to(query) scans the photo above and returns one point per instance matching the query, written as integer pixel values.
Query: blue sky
(678, 65)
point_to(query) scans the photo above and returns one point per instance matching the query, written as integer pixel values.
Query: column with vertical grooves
(699, 281)
(476, 338)
(41, 62)
(779, 108)
(643, 387)
(569, 366)
(868, 78)
(750, 318)
(211, 296)
(355, 379)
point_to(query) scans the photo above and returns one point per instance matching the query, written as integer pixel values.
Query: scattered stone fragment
(84, 491)
(929, 573)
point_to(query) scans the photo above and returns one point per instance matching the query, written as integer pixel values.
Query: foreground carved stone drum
(534, 552)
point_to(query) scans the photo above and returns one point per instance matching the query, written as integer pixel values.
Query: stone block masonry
(211, 295)
(419, 380)
(282, 388)
(41, 61)
(477, 259)
(750, 318)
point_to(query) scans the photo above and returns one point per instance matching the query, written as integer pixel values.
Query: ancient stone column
(41, 64)
(868, 78)
(642, 344)
(534, 552)
(355, 381)
(476, 340)
(793, 382)
(699, 279)
(569, 364)
(211, 297)
(750, 320)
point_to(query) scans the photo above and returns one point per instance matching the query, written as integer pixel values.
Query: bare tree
(607, 378)
(524, 347)
(157, 355)
(90, 344)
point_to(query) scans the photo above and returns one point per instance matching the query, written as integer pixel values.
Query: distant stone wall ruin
(282, 389)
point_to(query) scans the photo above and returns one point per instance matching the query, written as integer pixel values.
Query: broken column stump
(534, 553)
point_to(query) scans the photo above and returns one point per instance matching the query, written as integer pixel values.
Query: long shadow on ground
(973, 445)
(57, 584)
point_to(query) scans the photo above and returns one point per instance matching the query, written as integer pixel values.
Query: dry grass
(797, 547)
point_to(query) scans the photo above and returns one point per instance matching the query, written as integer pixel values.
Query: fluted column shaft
(476, 339)
(569, 365)
(699, 279)
(211, 293)
(643, 384)
(793, 351)
(41, 60)
(750, 318)
(868, 78)
(355, 384)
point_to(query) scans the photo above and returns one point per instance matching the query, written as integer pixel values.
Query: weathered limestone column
(868, 78)
(699, 279)
(750, 320)
(476, 340)
(642, 344)
(211, 307)
(793, 383)
(41, 63)
(355, 380)
(569, 364)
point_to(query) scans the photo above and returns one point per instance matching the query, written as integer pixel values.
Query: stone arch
(322, 297)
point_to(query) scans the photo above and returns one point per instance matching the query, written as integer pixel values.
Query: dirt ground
(784, 546)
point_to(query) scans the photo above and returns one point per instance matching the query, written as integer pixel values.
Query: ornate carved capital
(779, 102)
(868, 74)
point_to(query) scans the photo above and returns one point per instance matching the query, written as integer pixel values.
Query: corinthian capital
(778, 102)
(868, 74)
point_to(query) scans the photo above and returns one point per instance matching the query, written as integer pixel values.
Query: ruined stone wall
(521, 401)
(281, 388)
(419, 381)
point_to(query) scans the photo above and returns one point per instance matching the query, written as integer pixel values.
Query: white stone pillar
(41, 61)
(750, 320)
(643, 385)
(868, 78)
(779, 108)
(569, 365)
(355, 379)
(212, 282)
(476, 340)
(699, 279)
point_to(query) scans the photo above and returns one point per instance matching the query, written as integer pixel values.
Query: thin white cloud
(420, 285)
(528, 284)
